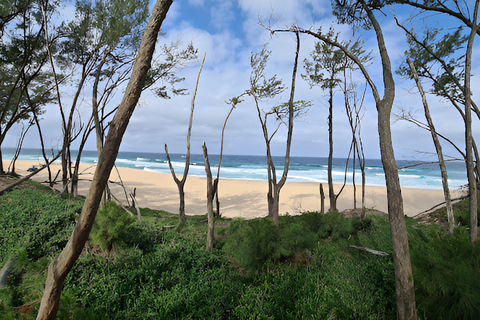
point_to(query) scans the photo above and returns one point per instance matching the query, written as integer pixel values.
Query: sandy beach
(238, 198)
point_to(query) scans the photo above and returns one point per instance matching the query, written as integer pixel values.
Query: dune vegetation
(160, 269)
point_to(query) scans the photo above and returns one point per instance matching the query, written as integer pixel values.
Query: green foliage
(166, 273)
(435, 57)
(38, 222)
(253, 242)
(462, 212)
(446, 274)
(109, 226)
(332, 60)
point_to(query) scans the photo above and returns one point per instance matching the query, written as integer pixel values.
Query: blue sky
(229, 31)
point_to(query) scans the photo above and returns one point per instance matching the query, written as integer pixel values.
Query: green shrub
(109, 226)
(254, 242)
(35, 220)
(446, 274)
(251, 242)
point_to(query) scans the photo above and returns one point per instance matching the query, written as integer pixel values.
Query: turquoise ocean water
(302, 169)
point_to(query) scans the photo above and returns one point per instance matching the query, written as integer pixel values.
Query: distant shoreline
(301, 169)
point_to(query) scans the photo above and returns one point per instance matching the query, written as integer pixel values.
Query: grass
(159, 269)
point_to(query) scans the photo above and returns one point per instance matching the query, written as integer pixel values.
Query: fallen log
(372, 251)
(27, 177)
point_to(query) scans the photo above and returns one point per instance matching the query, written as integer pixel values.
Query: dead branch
(372, 251)
(16, 183)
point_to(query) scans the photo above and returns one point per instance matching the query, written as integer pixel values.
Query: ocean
(302, 169)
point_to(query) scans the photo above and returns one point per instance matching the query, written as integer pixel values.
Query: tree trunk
(438, 148)
(331, 192)
(2, 171)
(181, 210)
(217, 201)
(275, 206)
(61, 265)
(472, 183)
(401, 254)
(353, 173)
(405, 292)
(99, 132)
(40, 135)
(322, 199)
(210, 196)
(181, 183)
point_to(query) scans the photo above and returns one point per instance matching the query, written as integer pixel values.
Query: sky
(228, 31)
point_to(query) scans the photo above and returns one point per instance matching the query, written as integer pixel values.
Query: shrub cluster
(253, 242)
(161, 270)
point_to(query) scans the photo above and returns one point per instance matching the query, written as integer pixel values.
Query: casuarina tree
(61, 265)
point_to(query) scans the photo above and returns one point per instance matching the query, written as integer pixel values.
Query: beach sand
(238, 198)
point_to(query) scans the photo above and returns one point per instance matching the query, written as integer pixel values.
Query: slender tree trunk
(401, 253)
(438, 148)
(181, 209)
(472, 183)
(96, 120)
(353, 173)
(331, 192)
(217, 180)
(275, 205)
(40, 135)
(322, 199)
(181, 183)
(361, 161)
(210, 196)
(405, 292)
(277, 187)
(2, 171)
(19, 147)
(61, 265)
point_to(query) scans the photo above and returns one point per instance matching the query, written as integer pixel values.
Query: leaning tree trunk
(60, 266)
(438, 148)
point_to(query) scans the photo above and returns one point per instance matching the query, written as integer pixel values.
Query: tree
(331, 59)
(24, 79)
(101, 42)
(181, 182)
(438, 148)
(62, 264)
(472, 182)
(354, 119)
(360, 13)
(468, 17)
(260, 89)
(446, 79)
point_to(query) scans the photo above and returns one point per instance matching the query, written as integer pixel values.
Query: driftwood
(27, 177)
(376, 252)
